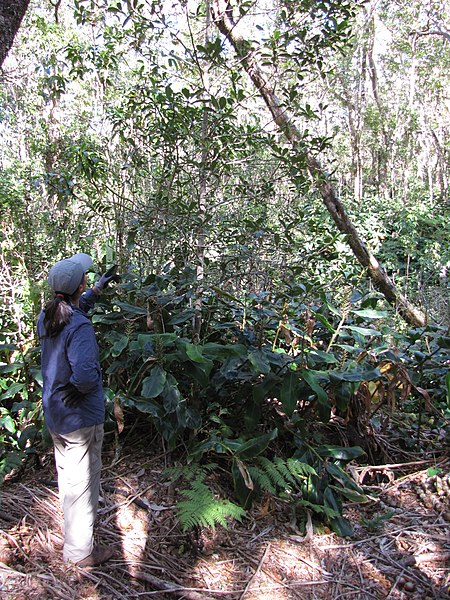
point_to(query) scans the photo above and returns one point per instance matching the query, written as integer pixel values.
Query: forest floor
(400, 548)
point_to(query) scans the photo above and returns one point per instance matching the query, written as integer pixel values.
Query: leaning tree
(11, 15)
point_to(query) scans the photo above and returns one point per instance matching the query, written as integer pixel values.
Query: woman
(73, 402)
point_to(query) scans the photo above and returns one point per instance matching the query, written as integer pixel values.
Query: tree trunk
(200, 270)
(223, 17)
(11, 15)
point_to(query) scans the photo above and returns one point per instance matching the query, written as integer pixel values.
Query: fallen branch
(427, 557)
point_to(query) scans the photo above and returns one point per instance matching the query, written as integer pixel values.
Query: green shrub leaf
(153, 385)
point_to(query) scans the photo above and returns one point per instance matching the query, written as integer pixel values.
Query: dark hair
(58, 312)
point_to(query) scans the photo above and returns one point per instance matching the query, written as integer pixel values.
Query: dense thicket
(134, 133)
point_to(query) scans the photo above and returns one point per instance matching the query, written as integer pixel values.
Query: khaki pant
(78, 462)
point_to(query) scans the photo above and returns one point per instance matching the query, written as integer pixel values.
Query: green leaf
(253, 407)
(351, 494)
(171, 395)
(12, 391)
(194, 353)
(324, 322)
(107, 318)
(8, 423)
(443, 342)
(166, 339)
(188, 417)
(226, 295)
(289, 393)
(432, 471)
(129, 308)
(29, 433)
(370, 313)
(340, 476)
(6, 368)
(215, 351)
(182, 317)
(256, 446)
(36, 374)
(341, 527)
(169, 92)
(153, 385)
(355, 376)
(147, 407)
(259, 361)
(340, 453)
(321, 356)
(312, 378)
(365, 331)
(119, 345)
(9, 347)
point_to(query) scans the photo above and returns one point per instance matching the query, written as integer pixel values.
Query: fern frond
(202, 509)
(278, 473)
(189, 472)
(262, 479)
(299, 469)
(280, 476)
(329, 512)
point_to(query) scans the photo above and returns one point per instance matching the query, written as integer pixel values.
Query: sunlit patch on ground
(400, 549)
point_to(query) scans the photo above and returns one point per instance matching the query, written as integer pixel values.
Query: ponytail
(57, 314)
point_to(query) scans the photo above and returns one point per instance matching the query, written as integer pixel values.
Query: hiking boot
(98, 556)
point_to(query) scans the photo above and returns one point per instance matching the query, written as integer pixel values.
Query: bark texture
(11, 15)
(223, 18)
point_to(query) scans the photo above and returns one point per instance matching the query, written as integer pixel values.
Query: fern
(190, 472)
(300, 470)
(329, 512)
(202, 509)
(279, 476)
(262, 478)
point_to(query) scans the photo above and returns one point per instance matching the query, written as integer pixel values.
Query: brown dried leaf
(118, 414)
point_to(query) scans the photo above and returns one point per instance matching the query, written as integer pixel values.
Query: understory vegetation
(244, 331)
(279, 394)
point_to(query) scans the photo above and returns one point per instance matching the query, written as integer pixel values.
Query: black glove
(71, 396)
(107, 277)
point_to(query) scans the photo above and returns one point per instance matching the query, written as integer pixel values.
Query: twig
(116, 594)
(381, 535)
(362, 471)
(171, 588)
(258, 569)
(43, 578)
(308, 563)
(24, 554)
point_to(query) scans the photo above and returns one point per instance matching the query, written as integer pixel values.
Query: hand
(107, 277)
(71, 396)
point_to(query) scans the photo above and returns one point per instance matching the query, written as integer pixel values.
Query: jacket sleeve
(88, 300)
(83, 356)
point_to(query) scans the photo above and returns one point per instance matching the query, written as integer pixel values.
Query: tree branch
(223, 18)
(443, 34)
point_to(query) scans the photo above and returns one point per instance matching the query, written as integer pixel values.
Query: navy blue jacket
(72, 357)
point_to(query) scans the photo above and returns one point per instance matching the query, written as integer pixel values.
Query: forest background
(272, 180)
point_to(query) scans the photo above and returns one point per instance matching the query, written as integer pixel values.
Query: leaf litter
(400, 548)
